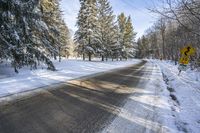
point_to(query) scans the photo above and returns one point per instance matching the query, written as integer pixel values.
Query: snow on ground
(167, 104)
(185, 94)
(172, 105)
(147, 109)
(12, 83)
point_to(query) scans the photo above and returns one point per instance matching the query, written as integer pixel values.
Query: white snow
(147, 109)
(12, 83)
(154, 110)
(187, 92)
(16, 35)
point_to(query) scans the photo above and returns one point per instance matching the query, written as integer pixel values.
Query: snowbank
(185, 96)
(12, 83)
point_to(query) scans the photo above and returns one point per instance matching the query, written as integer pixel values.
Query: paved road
(83, 105)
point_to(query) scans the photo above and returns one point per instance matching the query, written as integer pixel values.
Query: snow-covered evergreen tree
(122, 25)
(65, 39)
(126, 36)
(107, 29)
(129, 39)
(58, 31)
(25, 37)
(20, 20)
(80, 37)
(98, 33)
(116, 47)
(86, 35)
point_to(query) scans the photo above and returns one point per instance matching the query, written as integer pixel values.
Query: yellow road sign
(184, 60)
(187, 51)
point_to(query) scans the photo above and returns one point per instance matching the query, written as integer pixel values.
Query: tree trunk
(16, 71)
(59, 58)
(59, 54)
(54, 57)
(163, 44)
(89, 55)
(102, 58)
(83, 56)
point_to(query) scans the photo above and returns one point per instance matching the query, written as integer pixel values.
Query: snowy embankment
(185, 96)
(12, 83)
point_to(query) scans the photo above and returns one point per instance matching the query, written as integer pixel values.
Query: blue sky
(141, 16)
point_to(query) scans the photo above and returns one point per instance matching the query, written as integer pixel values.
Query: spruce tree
(58, 31)
(107, 28)
(28, 33)
(80, 37)
(20, 21)
(116, 47)
(129, 39)
(126, 36)
(122, 27)
(86, 35)
(65, 39)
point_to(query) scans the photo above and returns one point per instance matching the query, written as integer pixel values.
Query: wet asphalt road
(85, 105)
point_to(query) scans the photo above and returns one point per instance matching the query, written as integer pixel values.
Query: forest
(34, 32)
(178, 26)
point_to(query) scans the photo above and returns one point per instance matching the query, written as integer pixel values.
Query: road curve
(85, 105)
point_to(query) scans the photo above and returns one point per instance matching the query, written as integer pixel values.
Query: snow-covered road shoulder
(12, 83)
(147, 110)
(185, 96)
(168, 103)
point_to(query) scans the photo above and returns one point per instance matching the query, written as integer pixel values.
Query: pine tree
(126, 36)
(129, 39)
(65, 39)
(9, 37)
(86, 35)
(139, 48)
(26, 32)
(107, 28)
(58, 31)
(20, 21)
(122, 27)
(144, 47)
(80, 35)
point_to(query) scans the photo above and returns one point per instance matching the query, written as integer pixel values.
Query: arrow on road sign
(187, 51)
